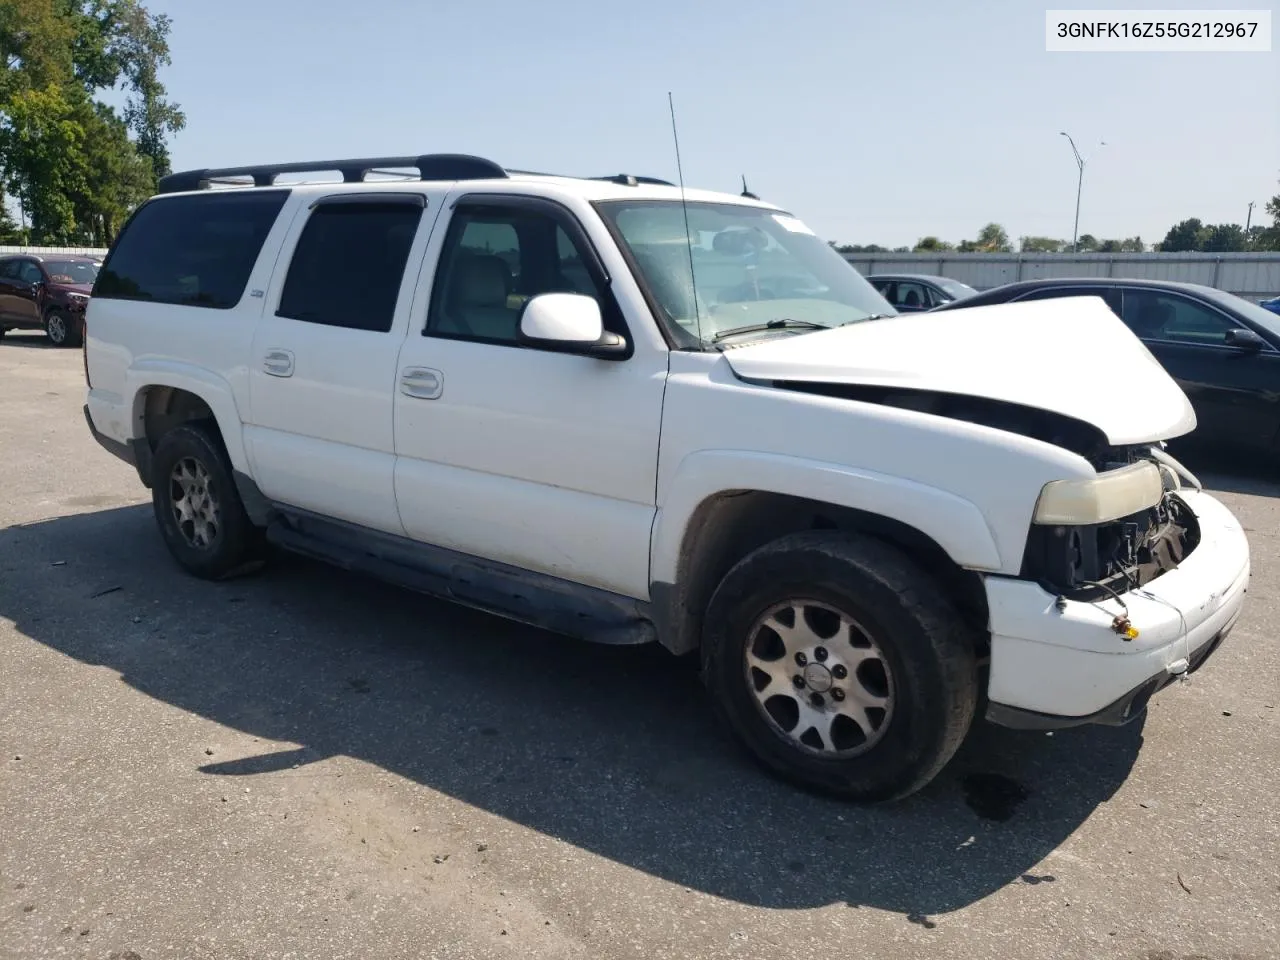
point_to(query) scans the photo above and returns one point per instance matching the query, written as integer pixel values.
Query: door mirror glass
(569, 323)
(1245, 339)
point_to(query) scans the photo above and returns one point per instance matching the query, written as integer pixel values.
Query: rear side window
(196, 251)
(349, 263)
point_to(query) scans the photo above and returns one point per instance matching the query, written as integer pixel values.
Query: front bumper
(1061, 664)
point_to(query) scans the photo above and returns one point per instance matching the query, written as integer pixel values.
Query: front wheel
(840, 665)
(62, 329)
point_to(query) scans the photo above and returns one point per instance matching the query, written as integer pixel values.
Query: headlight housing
(1101, 499)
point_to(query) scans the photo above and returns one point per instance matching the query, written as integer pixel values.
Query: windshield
(752, 266)
(71, 271)
(955, 289)
(1247, 308)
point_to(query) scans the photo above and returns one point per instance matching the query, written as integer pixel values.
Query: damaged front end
(1091, 561)
(1073, 553)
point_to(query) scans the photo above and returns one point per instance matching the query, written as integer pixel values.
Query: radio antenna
(684, 207)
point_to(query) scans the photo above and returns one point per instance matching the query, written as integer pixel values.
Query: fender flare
(209, 387)
(954, 523)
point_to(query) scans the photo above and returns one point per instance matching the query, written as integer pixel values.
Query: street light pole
(1080, 162)
(1247, 221)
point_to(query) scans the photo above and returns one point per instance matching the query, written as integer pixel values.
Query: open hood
(1072, 356)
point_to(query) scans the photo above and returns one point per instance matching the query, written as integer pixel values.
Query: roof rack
(430, 166)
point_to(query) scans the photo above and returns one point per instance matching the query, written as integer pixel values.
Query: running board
(535, 599)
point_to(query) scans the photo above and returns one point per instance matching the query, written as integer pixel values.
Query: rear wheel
(840, 665)
(197, 505)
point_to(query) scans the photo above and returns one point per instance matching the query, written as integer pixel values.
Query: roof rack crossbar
(430, 166)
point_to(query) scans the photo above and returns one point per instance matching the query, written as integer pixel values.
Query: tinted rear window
(349, 263)
(196, 251)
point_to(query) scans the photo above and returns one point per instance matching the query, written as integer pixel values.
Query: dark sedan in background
(913, 292)
(46, 293)
(1224, 351)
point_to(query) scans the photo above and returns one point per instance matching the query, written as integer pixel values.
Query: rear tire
(868, 685)
(198, 507)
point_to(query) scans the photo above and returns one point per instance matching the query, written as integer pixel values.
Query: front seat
(912, 300)
(476, 302)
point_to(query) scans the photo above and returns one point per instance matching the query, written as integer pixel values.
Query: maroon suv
(46, 292)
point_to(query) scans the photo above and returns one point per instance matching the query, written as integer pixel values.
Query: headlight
(1101, 499)
(78, 296)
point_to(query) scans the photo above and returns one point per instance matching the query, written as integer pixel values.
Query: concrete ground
(308, 764)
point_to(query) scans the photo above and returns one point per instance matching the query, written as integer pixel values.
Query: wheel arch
(699, 538)
(167, 394)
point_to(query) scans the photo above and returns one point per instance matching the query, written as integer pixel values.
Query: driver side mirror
(570, 323)
(1245, 339)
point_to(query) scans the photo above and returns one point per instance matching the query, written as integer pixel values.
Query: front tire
(62, 329)
(840, 665)
(197, 505)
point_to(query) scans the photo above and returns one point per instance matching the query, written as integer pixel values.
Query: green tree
(42, 146)
(932, 244)
(78, 167)
(1133, 245)
(993, 239)
(1041, 245)
(1184, 237)
(1223, 238)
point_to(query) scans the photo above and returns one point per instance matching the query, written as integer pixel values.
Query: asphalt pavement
(305, 763)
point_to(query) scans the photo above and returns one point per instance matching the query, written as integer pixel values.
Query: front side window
(348, 265)
(1155, 315)
(28, 272)
(737, 266)
(195, 250)
(954, 289)
(911, 296)
(495, 260)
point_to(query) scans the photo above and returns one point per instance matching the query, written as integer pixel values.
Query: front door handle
(422, 383)
(278, 363)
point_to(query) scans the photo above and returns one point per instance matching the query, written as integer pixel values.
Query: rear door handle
(422, 383)
(278, 363)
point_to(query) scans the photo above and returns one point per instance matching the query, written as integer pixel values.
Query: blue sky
(874, 122)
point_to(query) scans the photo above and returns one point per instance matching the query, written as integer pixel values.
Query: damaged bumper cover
(1059, 662)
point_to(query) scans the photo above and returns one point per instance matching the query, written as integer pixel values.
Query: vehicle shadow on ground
(29, 339)
(613, 750)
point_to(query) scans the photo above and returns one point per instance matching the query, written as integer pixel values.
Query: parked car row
(46, 293)
(1223, 350)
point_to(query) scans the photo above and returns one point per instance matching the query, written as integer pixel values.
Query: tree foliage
(73, 164)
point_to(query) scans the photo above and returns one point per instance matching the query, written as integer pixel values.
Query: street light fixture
(1080, 162)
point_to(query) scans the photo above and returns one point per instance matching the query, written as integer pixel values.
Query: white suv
(629, 413)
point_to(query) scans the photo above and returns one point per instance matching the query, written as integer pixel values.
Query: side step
(549, 603)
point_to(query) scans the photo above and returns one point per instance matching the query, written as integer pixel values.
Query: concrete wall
(52, 251)
(1253, 276)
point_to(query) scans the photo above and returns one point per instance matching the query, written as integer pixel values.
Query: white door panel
(322, 392)
(334, 479)
(560, 532)
(542, 460)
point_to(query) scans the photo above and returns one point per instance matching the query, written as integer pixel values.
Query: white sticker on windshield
(791, 224)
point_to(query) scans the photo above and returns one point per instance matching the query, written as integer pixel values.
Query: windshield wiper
(784, 324)
(874, 316)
